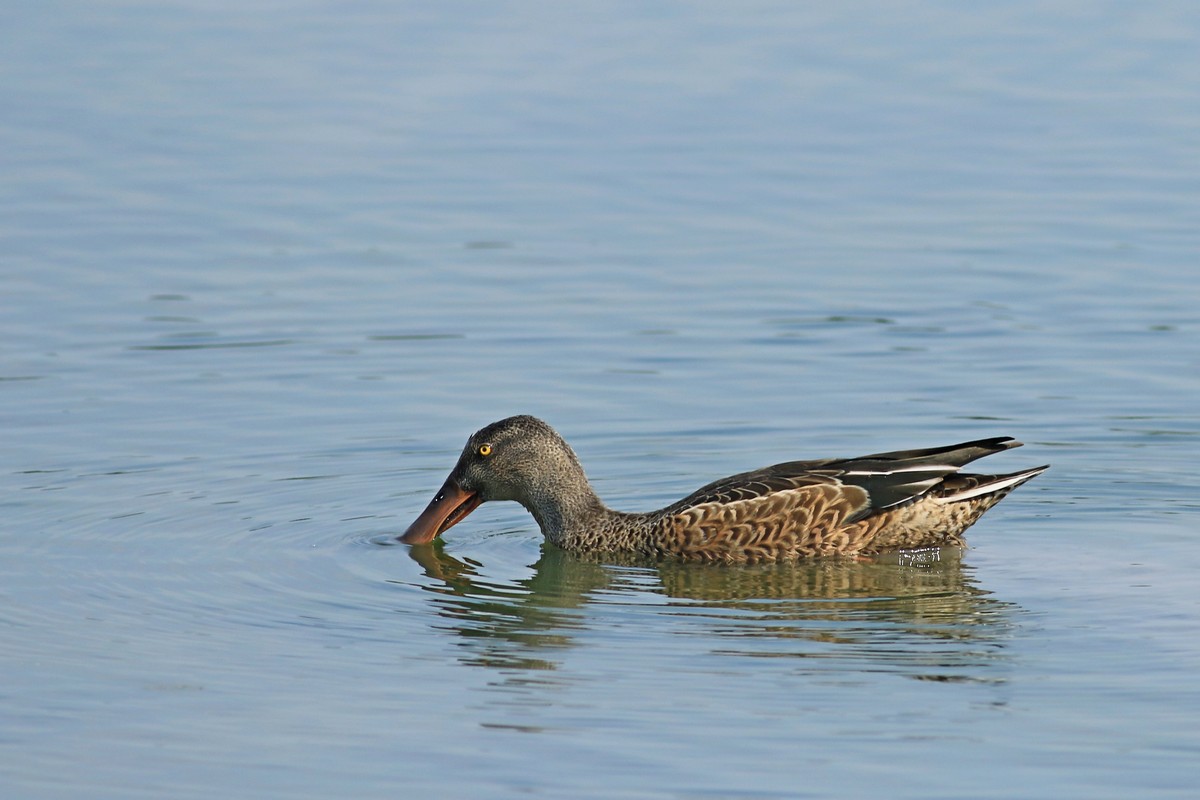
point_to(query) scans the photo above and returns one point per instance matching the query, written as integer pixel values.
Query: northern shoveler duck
(799, 509)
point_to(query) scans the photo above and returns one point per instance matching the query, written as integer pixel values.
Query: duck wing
(863, 486)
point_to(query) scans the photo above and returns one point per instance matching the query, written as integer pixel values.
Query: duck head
(519, 458)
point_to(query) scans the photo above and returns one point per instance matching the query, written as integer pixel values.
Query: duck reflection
(922, 614)
(516, 624)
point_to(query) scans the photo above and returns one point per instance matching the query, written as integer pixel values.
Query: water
(266, 266)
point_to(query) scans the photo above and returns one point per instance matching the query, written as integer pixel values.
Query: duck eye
(485, 449)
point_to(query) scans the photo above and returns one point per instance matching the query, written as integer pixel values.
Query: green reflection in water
(921, 615)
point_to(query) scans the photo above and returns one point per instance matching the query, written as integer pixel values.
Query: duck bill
(449, 506)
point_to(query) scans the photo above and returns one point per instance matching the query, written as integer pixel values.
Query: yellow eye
(485, 449)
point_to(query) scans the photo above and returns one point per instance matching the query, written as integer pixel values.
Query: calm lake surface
(265, 266)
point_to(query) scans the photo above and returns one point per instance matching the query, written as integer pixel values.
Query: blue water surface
(266, 265)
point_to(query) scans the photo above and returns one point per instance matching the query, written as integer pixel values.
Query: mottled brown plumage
(799, 509)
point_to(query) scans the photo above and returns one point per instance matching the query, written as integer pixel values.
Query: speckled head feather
(886, 501)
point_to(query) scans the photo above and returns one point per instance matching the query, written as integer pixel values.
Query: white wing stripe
(986, 488)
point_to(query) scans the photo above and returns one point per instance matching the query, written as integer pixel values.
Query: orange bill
(449, 506)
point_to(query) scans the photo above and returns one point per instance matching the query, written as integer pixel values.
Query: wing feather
(889, 479)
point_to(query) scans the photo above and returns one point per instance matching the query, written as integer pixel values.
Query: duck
(833, 507)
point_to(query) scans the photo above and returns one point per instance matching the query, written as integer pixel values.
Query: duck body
(799, 509)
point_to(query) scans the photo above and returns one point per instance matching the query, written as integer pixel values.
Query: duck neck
(566, 509)
(570, 513)
(581, 523)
